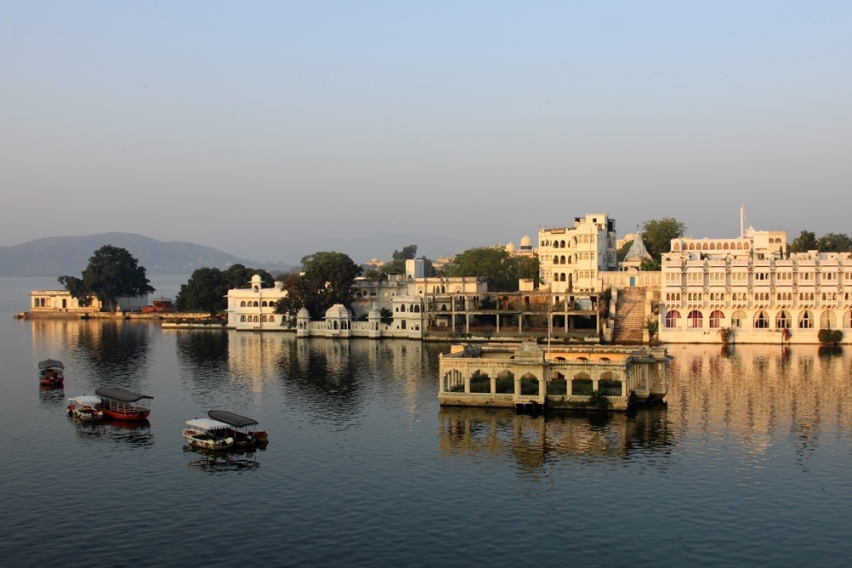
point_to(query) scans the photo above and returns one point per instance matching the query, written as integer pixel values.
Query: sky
(272, 130)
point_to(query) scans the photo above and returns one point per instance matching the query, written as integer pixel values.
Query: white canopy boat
(240, 427)
(85, 408)
(208, 434)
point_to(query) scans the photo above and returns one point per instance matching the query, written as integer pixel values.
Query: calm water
(748, 464)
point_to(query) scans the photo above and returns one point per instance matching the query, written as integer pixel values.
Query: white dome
(526, 241)
(510, 247)
(374, 313)
(303, 313)
(337, 311)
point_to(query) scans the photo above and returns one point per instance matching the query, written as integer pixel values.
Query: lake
(749, 463)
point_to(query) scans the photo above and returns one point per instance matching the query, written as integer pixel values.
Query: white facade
(571, 257)
(254, 308)
(63, 301)
(746, 285)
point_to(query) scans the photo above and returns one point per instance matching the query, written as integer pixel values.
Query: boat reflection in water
(210, 461)
(532, 441)
(125, 435)
(51, 395)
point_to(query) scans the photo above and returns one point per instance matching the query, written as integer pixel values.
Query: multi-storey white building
(747, 284)
(572, 257)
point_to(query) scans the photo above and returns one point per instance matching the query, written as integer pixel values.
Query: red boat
(51, 372)
(123, 404)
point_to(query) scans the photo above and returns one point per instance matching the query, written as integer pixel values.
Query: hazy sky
(272, 130)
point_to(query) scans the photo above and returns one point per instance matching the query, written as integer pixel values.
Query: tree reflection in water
(115, 351)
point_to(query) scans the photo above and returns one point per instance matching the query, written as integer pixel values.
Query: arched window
(263, 304)
(263, 318)
(581, 385)
(738, 318)
(739, 246)
(243, 304)
(562, 259)
(242, 318)
(712, 246)
(334, 324)
(745, 246)
(255, 304)
(677, 246)
(705, 247)
(562, 277)
(271, 319)
(826, 320)
(716, 317)
(694, 319)
(672, 318)
(402, 307)
(691, 246)
(402, 324)
(561, 244)
(806, 320)
(761, 321)
(847, 319)
(256, 319)
(417, 309)
(782, 320)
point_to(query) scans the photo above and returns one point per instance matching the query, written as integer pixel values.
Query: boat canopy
(121, 394)
(234, 420)
(50, 364)
(206, 425)
(86, 399)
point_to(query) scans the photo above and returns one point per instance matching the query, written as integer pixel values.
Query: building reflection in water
(758, 395)
(113, 352)
(331, 378)
(532, 441)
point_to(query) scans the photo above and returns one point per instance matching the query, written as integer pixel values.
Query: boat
(240, 427)
(208, 434)
(51, 372)
(85, 408)
(122, 404)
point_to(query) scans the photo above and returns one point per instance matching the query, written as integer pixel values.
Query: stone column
(467, 384)
(542, 390)
(517, 385)
(493, 385)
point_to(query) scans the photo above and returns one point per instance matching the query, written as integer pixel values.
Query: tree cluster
(830, 242)
(112, 273)
(326, 279)
(207, 288)
(397, 265)
(500, 268)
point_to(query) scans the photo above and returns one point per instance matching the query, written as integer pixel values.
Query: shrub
(830, 336)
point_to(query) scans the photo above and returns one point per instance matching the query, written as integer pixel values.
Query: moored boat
(85, 408)
(208, 434)
(51, 372)
(240, 427)
(122, 404)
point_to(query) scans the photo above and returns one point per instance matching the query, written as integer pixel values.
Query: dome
(526, 241)
(529, 352)
(303, 313)
(255, 279)
(374, 313)
(337, 311)
(510, 247)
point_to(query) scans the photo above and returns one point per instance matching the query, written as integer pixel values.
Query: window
(672, 318)
(806, 320)
(242, 304)
(760, 320)
(826, 320)
(716, 318)
(738, 318)
(739, 278)
(695, 278)
(243, 318)
(673, 277)
(694, 319)
(717, 278)
(761, 276)
(782, 320)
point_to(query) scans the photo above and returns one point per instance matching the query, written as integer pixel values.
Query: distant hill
(57, 256)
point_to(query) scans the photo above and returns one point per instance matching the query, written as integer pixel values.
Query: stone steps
(629, 316)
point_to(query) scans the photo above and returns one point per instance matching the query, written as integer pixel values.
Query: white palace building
(571, 258)
(750, 285)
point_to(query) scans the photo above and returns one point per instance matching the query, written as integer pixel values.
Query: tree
(658, 234)
(528, 267)
(112, 273)
(203, 292)
(326, 279)
(397, 265)
(238, 276)
(622, 252)
(493, 263)
(834, 242)
(804, 242)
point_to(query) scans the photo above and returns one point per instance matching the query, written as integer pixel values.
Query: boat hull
(207, 443)
(128, 415)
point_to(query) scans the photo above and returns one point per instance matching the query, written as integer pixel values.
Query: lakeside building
(559, 376)
(524, 249)
(253, 308)
(753, 287)
(61, 301)
(572, 257)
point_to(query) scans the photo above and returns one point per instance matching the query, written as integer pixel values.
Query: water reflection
(220, 462)
(531, 441)
(113, 349)
(51, 396)
(760, 395)
(124, 435)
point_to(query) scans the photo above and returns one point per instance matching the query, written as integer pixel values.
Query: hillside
(56, 256)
